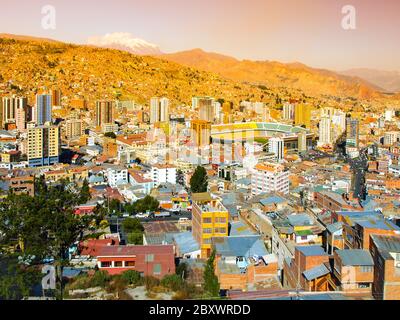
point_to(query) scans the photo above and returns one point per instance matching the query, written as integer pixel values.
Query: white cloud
(125, 41)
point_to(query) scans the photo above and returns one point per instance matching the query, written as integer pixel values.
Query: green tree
(132, 277)
(132, 225)
(172, 282)
(85, 192)
(211, 284)
(111, 135)
(44, 226)
(135, 238)
(199, 180)
(180, 177)
(148, 203)
(182, 270)
(16, 280)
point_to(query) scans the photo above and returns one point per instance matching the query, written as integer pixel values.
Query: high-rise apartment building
(9, 107)
(302, 115)
(206, 109)
(196, 101)
(302, 141)
(201, 132)
(288, 111)
(209, 219)
(43, 145)
(325, 131)
(56, 98)
(352, 132)
(74, 128)
(269, 177)
(159, 110)
(104, 112)
(277, 147)
(43, 109)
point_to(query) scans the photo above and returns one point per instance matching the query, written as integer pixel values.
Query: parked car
(161, 214)
(142, 215)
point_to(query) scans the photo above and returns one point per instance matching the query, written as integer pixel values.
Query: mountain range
(388, 80)
(126, 42)
(33, 64)
(276, 74)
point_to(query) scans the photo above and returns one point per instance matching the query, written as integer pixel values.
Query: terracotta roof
(92, 247)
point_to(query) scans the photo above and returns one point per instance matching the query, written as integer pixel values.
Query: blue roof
(381, 224)
(272, 200)
(71, 272)
(239, 228)
(96, 179)
(300, 220)
(334, 227)
(316, 272)
(360, 215)
(186, 243)
(309, 251)
(355, 257)
(370, 205)
(245, 246)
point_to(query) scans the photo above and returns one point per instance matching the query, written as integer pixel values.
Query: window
(207, 241)
(207, 220)
(129, 263)
(220, 230)
(207, 230)
(149, 258)
(364, 285)
(117, 264)
(106, 264)
(366, 269)
(157, 269)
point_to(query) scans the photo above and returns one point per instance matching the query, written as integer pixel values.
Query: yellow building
(43, 145)
(74, 128)
(209, 219)
(302, 115)
(201, 132)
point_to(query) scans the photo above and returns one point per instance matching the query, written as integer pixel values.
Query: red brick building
(151, 260)
(308, 269)
(385, 251)
(354, 271)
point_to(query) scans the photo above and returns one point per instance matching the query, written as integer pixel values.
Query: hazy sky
(307, 31)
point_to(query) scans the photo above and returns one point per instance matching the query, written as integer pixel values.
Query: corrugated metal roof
(186, 243)
(312, 250)
(334, 227)
(300, 220)
(387, 243)
(242, 246)
(272, 200)
(355, 257)
(378, 224)
(316, 272)
(239, 228)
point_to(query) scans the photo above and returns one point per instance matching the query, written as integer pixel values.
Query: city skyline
(303, 31)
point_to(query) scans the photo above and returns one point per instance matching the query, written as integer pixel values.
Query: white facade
(277, 146)
(288, 111)
(391, 137)
(325, 136)
(269, 177)
(163, 174)
(116, 176)
(159, 110)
